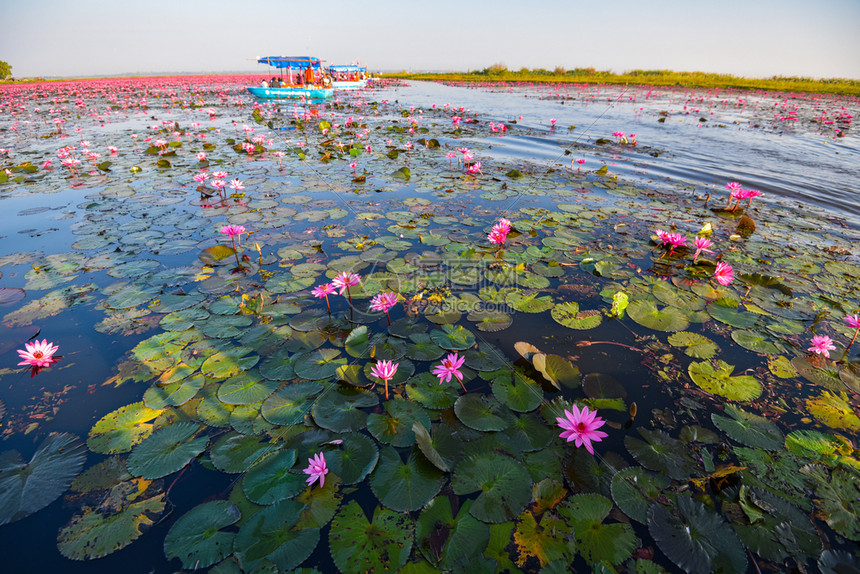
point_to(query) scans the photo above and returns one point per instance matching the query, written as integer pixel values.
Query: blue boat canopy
(294, 62)
(348, 69)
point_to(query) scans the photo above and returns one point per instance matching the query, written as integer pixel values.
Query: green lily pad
(695, 345)
(166, 451)
(422, 348)
(246, 388)
(358, 545)
(754, 341)
(229, 362)
(529, 302)
(569, 315)
(749, 429)
(269, 480)
(425, 389)
(405, 487)
(634, 488)
(95, 534)
(279, 366)
(836, 500)
(557, 370)
(319, 364)
(453, 338)
(271, 536)
(447, 541)
(597, 541)
(717, 379)
(26, 487)
(726, 311)
(504, 486)
(174, 394)
(356, 458)
(426, 444)
(483, 413)
(549, 541)
(235, 453)
(486, 357)
(648, 315)
(197, 538)
(661, 453)
(698, 541)
(339, 410)
(290, 404)
(516, 391)
(395, 427)
(121, 429)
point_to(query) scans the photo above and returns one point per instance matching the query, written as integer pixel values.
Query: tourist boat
(292, 74)
(349, 77)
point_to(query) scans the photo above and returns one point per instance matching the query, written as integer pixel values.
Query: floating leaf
(754, 341)
(449, 542)
(547, 541)
(197, 538)
(166, 451)
(453, 338)
(395, 427)
(28, 487)
(633, 490)
(482, 413)
(557, 370)
(504, 486)
(834, 411)
(717, 379)
(235, 453)
(356, 458)
(339, 410)
(697, 346)
(269, 480)
(661, 453)
(648, 315)
(94, 534)
(359, 546)
(596, 541)
(749, 429)
(698, 541)
(569, 315)
(121, 429)
(516, 391)
(271, 536)
(405, 487)
(290, 404)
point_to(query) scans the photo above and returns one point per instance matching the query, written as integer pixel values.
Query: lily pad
(716, 378)
(358, 545)
(197, 538)
(504, 486)
(596, 541)
(634, 488)
(482, 413)
(749, 429)
(648, 315)
(339, 410)
(833, 410)
(557, 370)
(290, 404)
(319, 364)
(26, 487)
(754, 341)
(405, 487)
(121, 429)
(395, 426)
(569, 315)
(453, 338)
(356, 458)
(695, 345)
(235, 453)
(661, 453)
(166, 451)
(698, 541)
(271, 536)
(447, 541)
(269, 480)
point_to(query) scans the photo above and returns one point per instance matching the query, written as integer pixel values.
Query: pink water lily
(449, 367)
(822, 345)
(346, 280)
(581, 427)
(383, 302)
(384, 370)
(852, 321)
(702, 244)
(38, 354)
(316, 469)
(724, 274)
(324, 290)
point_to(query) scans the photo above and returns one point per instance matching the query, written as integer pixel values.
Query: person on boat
(309, 76)
(300, 79)
(264, 83)
(276, 83)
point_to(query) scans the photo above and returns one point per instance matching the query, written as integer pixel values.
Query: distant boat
(298, 77)
(348, 77)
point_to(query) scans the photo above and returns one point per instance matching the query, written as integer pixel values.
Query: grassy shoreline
(839, 86)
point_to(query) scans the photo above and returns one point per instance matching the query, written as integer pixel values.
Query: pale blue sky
(757, 38)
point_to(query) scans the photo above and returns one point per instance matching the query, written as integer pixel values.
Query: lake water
(198, 371)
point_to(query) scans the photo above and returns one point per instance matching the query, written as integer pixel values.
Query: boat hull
(291, 92)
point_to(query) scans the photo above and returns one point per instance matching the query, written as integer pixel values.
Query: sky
(753, 38)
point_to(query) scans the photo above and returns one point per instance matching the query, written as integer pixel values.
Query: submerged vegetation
(499, 73)
(436, 412)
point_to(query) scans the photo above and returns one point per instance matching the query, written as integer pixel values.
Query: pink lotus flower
(316, 469)
(232, 230)
(852, 321)
(236, 185)
(324, 290)
(724, 274)
(201, 156)
(38, 354)
(702, 244)
(344, 281)
(383, 302)
(450, 367)
(474, 168)
(552, 122)
(581, 427)
(499, 232)
(384, 370)
(821, 345)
